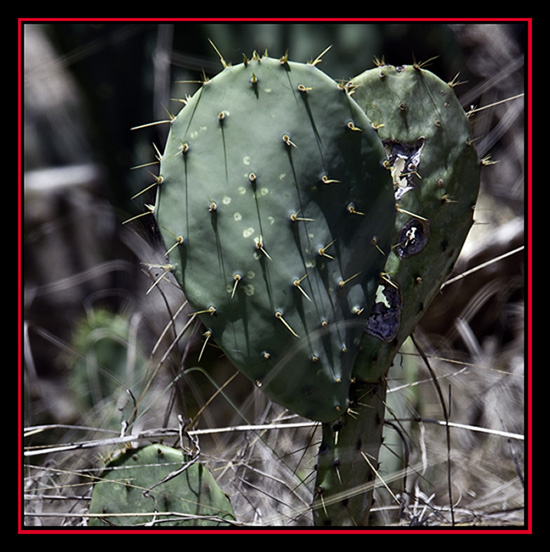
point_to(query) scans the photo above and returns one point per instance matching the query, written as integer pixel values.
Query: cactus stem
(322, 251)
(150, 211)
(279, 316)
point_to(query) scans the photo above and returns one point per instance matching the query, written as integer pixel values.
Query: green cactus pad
(129, 488)
(436, 175)
(273, 187)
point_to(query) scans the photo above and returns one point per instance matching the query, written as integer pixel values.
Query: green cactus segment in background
(436, 175)
(138, 483)
(278, 215)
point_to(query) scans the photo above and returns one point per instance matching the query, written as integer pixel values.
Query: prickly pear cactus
(137, 483)
(278, 215)
(436, 172)
(100, 366)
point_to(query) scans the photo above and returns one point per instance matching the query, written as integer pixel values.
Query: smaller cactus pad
(129, 494)
(436, 174)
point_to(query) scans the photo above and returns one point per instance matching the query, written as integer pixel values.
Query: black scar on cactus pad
(385, 315)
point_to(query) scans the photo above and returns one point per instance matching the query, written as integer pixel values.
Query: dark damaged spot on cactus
(385, 316)
(413, 238)
(404, 160)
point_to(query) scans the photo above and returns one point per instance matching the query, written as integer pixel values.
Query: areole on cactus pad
(278, 215)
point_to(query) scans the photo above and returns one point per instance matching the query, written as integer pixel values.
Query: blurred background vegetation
(89, 325)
